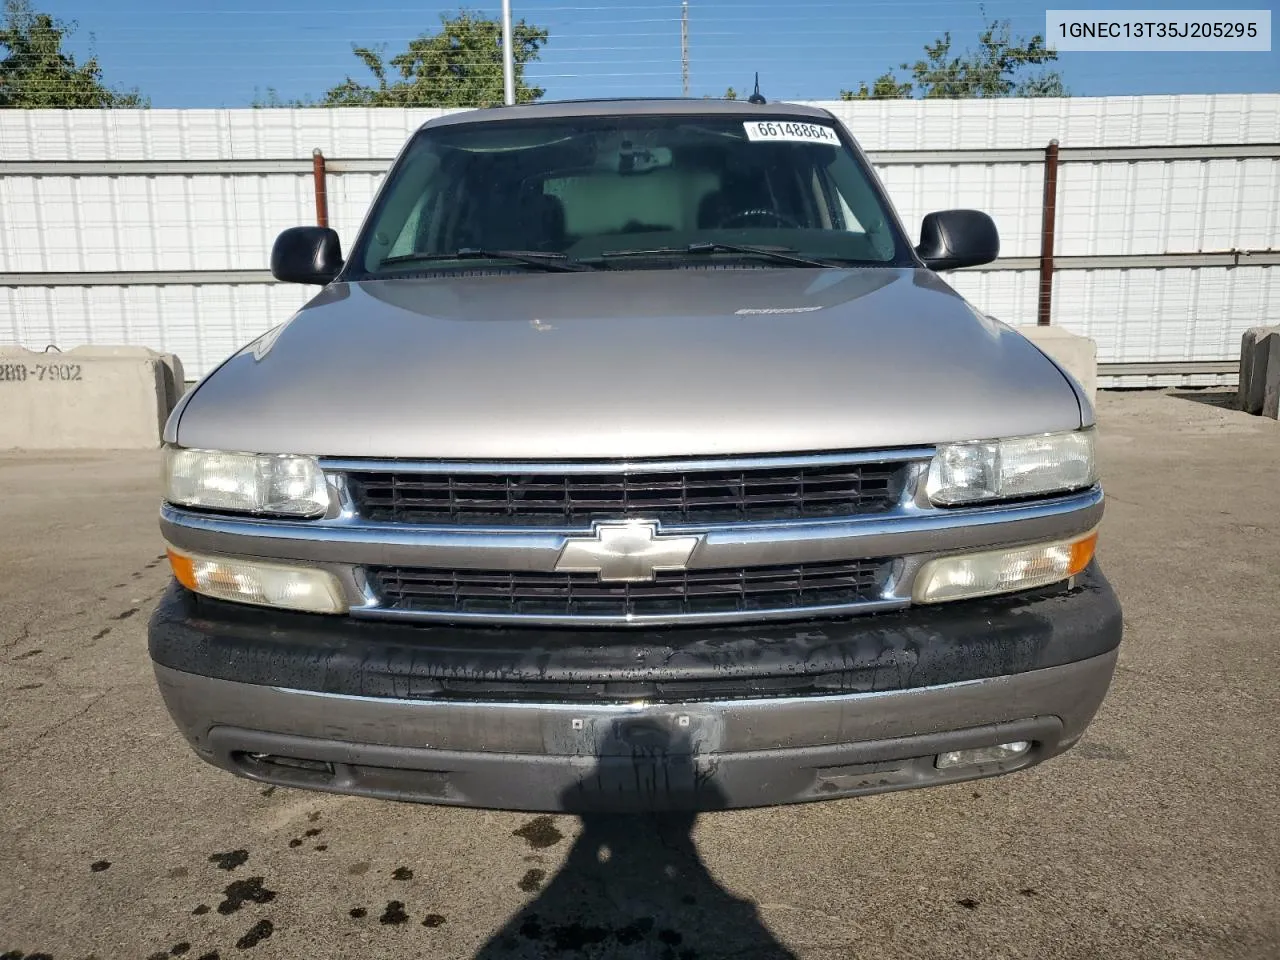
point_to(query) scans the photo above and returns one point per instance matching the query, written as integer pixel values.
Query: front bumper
(699, 718)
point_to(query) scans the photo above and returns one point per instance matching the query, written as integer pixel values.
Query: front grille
(670, 593)
(691, 496)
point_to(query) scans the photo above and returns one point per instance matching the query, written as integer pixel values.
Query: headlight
(1005, 469)
(257, 582)
(245, 482)
(1002, 571)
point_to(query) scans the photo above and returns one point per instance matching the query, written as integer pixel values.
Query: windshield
(583, 189)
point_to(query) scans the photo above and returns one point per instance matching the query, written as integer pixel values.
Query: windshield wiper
(544, 261)
(777, 254)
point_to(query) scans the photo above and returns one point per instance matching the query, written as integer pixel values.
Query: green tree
(460, 66)
(36, 72)
(885, 87)
(996, 69)
(271, 99)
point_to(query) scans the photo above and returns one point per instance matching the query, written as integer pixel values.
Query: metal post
(1048, 217)
(684, 47)
(321, 187)
(508, 57)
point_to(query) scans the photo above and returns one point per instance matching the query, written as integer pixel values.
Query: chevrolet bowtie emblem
(632, 550)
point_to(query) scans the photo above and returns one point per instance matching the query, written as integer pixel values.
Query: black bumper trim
(919, 647)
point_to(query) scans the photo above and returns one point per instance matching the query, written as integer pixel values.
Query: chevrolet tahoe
(633, 459)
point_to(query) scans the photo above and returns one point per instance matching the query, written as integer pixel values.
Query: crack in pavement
(57, 724)
(24, 634)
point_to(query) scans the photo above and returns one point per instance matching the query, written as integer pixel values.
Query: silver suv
(633, 459)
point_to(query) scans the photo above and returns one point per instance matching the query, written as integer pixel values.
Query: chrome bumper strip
(906, 530)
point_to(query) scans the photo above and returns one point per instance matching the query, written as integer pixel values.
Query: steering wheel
(780, 219)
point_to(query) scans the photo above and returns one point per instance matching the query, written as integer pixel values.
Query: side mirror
(306, 255)
(957, 238)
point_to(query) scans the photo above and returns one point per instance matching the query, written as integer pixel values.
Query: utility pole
(508, 57)
(684, 47)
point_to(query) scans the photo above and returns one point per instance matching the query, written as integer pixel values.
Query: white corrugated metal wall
(172, 218)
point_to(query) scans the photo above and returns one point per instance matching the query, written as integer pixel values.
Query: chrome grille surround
(730, 494)
(905, 535)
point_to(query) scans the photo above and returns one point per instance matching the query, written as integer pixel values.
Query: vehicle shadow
(1226, 399)
(633, 885)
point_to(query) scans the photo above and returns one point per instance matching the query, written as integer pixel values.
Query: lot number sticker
(789, 130)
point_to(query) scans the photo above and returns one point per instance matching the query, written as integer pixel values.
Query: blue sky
(217, 53)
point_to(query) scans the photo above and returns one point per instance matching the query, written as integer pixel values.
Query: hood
(624, 364)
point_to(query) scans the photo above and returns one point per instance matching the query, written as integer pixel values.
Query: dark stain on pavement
(313, 816)
(229, 860)
(126, 615)
(256, 934)
(1029, 892)
(566, 936)
(433, 920)
(211, 955)
(358, 913)
(295, 842)
(101, 633)
(321, 847)
(31, 686)
(200, 910)
(633, 933)
(401, 873)
(540, 832)
(29, 654)
(968, 903)
(313, 832)
(532, 880)
(267, 791)
(99, 865)
(394, 915)
(178, 949)
(249, 890)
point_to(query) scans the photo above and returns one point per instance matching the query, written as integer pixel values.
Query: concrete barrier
(1271, 377)
(1076, 354)
(87, 398)
(1255, 366)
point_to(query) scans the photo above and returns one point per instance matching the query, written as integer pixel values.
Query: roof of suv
(634, 107)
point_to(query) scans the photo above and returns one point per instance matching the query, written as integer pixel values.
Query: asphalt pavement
(1157, 836)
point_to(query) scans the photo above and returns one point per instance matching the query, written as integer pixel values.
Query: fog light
(974, 758)
(265, 584)
(1002, 571)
